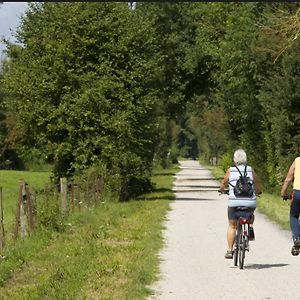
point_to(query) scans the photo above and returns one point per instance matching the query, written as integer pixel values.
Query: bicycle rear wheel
(242, 250)
(236, 245)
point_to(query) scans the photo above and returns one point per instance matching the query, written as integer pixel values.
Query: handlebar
(223, 192)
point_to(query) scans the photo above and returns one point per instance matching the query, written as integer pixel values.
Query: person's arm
(289, 177)
(225, 181)
(257, 183)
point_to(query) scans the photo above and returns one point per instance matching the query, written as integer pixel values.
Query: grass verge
(109, 252)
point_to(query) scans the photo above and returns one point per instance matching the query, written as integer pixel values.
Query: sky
(10, 13)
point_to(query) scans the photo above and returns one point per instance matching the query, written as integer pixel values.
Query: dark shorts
(235, 214)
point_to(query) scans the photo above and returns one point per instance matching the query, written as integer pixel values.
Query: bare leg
(231, 233)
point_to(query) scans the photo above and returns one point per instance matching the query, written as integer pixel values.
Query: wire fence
(51, 204)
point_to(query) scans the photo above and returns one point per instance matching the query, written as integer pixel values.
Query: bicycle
(241, 242)
(242, 237)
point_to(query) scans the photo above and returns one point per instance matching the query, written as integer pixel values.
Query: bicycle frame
(244, 222)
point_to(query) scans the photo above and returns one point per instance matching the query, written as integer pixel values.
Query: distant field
(9, 181)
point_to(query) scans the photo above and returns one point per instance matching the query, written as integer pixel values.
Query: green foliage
(257, 96)
(174, 154)
(162, 153)
(225, 161)
(174, 31)
(158, 82)
(211, 131)
(281, 93)
(186, 141)
(83, 91)
(237, 78)
(47, 210)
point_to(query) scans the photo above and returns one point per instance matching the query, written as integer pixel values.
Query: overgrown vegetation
(109, 252)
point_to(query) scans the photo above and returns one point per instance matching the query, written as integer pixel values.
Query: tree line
(104, 86)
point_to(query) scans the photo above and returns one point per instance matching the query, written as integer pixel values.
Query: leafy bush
(225, 161)
(47, 209)
(174, 153)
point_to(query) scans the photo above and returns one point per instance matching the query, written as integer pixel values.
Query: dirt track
(193, 264)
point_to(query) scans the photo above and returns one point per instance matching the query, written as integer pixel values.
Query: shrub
(225, 161)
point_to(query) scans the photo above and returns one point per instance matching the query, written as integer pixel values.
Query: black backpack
(244, 185)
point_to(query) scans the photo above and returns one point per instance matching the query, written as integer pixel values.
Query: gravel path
(192, 261)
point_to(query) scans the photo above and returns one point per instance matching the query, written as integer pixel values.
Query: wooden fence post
(79, 197)
(63, 194)
(20, 214)
(29, 209)
(2, 236)
(72, 196)
(32, 194)
(24, 214)
(99, 186)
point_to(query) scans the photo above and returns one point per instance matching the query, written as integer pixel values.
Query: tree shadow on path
(264, 266)
(195, 199)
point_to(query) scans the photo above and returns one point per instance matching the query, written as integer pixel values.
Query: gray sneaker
(296, 247)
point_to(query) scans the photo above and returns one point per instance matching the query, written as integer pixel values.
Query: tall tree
(82, 85)
(279, 94)
(185, 74)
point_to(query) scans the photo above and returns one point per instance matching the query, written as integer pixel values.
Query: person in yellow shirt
(293, 175)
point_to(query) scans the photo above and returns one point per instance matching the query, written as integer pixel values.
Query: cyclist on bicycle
(293, 175)
(230, 179)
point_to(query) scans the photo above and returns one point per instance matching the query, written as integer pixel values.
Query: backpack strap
(245, 174)
(239, 170)
(245, 171)
(231, 184)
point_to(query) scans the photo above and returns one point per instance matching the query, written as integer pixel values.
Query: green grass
(275, 209)
(109, 252)
(10, 181)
